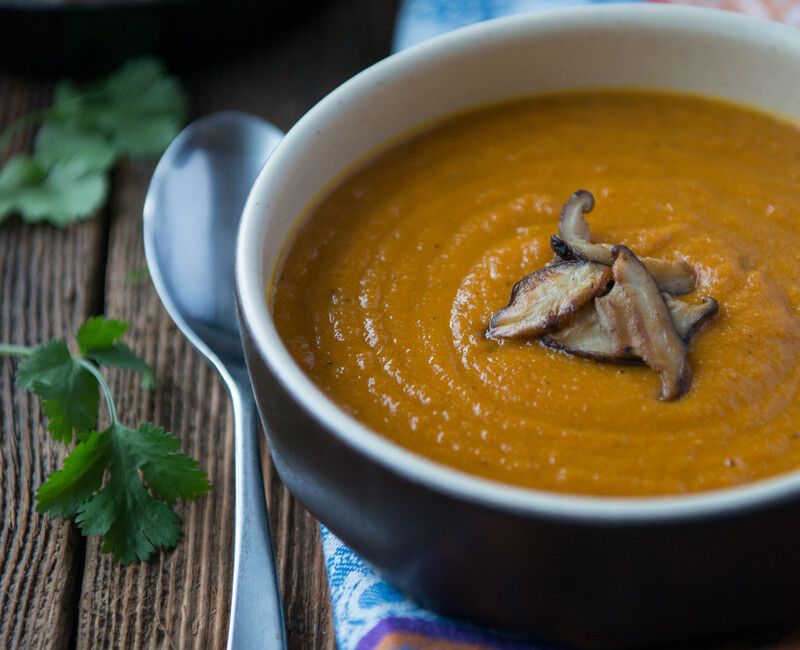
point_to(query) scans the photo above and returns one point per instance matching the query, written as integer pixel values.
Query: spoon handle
(256, 613)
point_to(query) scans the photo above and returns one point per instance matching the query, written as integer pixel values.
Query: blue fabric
(367, 611)
(360, 598)
(418, 20)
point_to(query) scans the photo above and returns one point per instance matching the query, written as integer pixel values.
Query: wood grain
(48, 286)
(51, 280)
(181, 599)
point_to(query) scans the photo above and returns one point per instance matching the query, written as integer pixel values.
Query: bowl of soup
(509, 481)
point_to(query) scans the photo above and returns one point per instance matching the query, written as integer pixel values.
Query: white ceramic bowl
(596, 571)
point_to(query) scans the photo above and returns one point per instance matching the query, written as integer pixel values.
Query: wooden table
(57, 589)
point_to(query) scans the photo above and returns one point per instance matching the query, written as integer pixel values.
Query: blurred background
(80, 38)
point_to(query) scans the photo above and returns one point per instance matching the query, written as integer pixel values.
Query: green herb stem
(112, 409)
(6, 349)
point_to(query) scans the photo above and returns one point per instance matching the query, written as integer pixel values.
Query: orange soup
(388, 287)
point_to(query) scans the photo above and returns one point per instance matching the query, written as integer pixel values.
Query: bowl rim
(414, 467)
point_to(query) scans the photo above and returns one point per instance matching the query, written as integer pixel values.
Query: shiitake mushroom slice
(583, 336)
(574, 242)
(637, 319)
(546, 298)
(688, 318)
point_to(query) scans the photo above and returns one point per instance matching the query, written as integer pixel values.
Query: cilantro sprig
(136, 111)
(120, 483)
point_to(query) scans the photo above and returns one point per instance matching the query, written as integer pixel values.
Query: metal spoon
(191, 215)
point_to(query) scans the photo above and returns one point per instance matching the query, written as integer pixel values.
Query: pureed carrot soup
(392, 294)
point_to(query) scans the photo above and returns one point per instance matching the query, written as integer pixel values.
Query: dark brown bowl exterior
(594, 572)
(593, 583)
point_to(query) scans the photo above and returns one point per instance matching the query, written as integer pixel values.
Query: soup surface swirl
(388, 286)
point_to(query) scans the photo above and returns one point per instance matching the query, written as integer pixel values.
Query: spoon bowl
(191, 217)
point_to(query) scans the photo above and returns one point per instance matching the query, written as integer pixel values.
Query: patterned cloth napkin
(369, 614)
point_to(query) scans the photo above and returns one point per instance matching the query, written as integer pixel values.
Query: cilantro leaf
(69, 391)
(137, 275)
(19, 173)
(99, 332)
(97, 340)
(168, 472)
(82, 475)
(132, 523)
(46, 364)
(138, 109)
(131, 520)
(119, 483)
(71, 404)
(66, 191)
(59, 143)
(121, 356)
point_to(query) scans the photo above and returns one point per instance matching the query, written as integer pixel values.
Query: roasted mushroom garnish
(602, 302)
(546, 298)
(636, 316)
(584, 336)
(689, 318)
(574, 241)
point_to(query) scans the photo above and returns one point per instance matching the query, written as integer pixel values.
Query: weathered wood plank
(50, 281)
(179, 599)
(182, 598)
